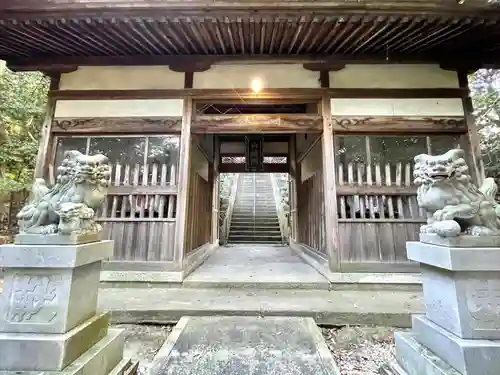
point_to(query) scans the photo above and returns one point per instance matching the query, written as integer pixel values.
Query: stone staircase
(254, 218)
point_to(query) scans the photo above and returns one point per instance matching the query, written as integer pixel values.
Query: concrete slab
(258, 266)
(385, 308)
(245, 346)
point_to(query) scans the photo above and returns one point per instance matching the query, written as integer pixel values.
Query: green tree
(23, 98)
(485, 85)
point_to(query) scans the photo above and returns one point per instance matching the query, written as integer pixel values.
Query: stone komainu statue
(453, 204)
(68, 207)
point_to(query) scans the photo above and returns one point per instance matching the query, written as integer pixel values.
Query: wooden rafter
(193, 43)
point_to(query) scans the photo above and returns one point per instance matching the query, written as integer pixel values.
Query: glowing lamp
(256, 85)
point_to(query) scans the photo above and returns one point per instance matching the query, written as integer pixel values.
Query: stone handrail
(226, 224)
(279, 210)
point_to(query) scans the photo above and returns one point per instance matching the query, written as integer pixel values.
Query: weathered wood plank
(183, 181)
(375, 190)
(153, 125)
(394, 124)
(202, 6)
(329, 190)
(240, 168)
(265, 96)
(302, 123)
(143, 190)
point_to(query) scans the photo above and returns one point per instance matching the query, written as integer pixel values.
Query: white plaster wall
(312, 162)
(397, 107)
(273, 76)
(121, 78)
(118, 108)
(402, 76)
(198, 162)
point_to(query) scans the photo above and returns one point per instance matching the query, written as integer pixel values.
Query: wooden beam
(475, 156)
(329, 180)
(216, 191)
(183, 182)
(394, 124)
(309, 149)
(143, 190)
(199, 63)
(117, 125)
(300, 95)
(30, 9)
(324, 79)
(257, 124)
(188, 80)
(45, 137)
(240, 168)
(375, 190)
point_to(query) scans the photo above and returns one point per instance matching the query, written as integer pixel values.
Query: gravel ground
(360, 350)
(143, 341)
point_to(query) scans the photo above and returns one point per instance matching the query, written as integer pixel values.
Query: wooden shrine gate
(352, 202)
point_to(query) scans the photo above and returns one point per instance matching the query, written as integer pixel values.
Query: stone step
(334, 307)
(251, 205)
(255, 219)
(204, 340)
(251, 227)
(257, 214)
(256, 222)
(256, 239)
(251, 236)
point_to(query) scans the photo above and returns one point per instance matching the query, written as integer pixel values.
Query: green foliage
(23, 98)
(485, 85)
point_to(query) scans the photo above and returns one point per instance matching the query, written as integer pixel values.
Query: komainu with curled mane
(453, 204)
(68, 207)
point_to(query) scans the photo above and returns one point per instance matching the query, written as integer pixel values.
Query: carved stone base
(50, 289)
(460, 241)
(57, 239)
(50, 352)
(461, 288)
(468, 357)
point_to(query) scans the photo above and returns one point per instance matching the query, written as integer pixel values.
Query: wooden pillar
(216, 191)
(183, 182)
(329, 180)
(295, 180)
(475, 157)
(45, 137)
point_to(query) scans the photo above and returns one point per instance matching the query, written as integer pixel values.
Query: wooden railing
(139, 213)
(377, 211)
(283, 221)
(226, 221)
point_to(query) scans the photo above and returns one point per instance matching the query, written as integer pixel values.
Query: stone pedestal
(460, 331)
(48, 317)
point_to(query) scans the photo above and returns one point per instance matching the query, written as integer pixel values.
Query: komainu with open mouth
(453, 204)
(69, 206)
